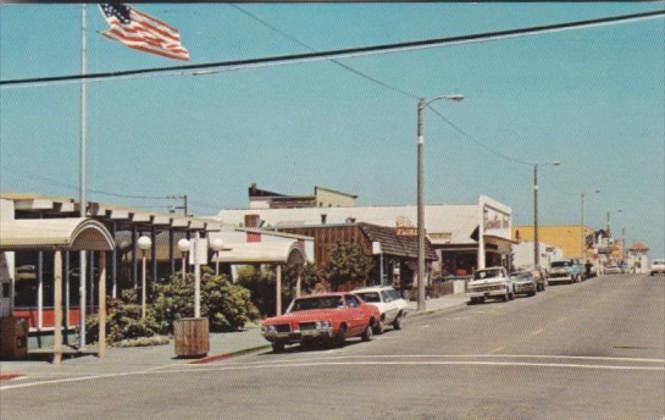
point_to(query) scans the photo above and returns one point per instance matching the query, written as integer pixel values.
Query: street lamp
(536, 244)
(144, 243)
(183, 247)
(608, 221)
(422, 103)
(582, 242)
(217, 245)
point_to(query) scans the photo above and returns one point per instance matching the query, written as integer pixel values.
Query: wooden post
(57, 306)
(278, 290)
(101, 350)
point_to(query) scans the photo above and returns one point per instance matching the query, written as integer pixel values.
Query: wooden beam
(57, 306)
(101, 344)
(278, 290)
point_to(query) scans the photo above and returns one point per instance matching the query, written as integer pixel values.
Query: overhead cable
(332, 60)
(258, 62)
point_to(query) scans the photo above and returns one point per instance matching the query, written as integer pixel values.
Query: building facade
(465, 237)
(322, 197)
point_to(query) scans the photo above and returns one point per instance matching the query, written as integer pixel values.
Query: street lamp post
(144, 243)
(217, 245)
(183, 247)
(422, 103)
(536, 243)
(582, 241)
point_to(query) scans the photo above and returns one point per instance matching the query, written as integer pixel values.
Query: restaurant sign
(404, 227)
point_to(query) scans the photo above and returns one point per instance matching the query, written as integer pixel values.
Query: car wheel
(367, 334)
(277, 347)
(532, 293)
(340, 338)
(397, 323)
(378, 328)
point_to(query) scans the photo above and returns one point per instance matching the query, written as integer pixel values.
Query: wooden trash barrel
(191, 337)
(14, 337)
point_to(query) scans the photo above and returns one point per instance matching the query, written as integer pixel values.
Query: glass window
(370, 296)
(386, 296)
(395, 294)
(324, 302)
(351, 301)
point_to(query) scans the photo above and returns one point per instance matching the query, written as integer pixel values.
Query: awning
(73, 234)
(259, 252)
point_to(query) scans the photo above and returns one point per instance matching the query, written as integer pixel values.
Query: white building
(523, 254)
(466, 236)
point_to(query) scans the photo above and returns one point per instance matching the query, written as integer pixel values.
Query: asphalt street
(594, 350)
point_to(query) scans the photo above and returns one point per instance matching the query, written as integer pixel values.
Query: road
(594, 350)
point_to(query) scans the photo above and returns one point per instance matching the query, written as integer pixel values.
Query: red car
(330, 318)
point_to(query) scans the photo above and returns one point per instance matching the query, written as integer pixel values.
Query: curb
(9, 376)
(223, 356)
(434, 312)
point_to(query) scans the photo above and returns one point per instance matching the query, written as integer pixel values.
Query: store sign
(198, 251)
(404, 227)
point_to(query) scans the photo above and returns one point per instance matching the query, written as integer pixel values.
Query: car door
(390, 305)
(356, 316)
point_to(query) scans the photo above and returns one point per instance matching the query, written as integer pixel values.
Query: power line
(332, 60)
(54, 182)
(478, 142)
(348, 52)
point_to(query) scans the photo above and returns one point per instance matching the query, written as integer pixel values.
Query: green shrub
(123, 322)
(226, 305)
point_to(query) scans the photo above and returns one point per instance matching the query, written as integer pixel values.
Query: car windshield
(370, 296)
(561, 264)
(486, 274)
(520, 276)
(323, 302)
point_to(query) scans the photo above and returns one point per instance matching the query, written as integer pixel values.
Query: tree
(349, 262)
(226, 305)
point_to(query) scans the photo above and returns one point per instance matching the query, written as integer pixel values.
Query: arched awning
(74, 234)
(260, 253)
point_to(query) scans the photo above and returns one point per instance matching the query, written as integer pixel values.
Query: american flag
(142, 32)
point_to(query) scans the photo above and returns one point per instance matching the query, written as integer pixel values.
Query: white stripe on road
(321, 362)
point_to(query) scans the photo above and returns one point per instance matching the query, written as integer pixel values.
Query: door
(356, 316)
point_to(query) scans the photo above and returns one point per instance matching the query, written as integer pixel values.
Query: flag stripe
(142, 46)
(142, 32)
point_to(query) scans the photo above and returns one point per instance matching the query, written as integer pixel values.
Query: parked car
(539, 274)
(657, 267)
(490, 283)
(524, 283)
(613, 269)
(390, 304)
(564, 271)
(325, 318)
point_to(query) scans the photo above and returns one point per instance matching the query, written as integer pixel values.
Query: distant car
(524, 283)
(657, 267)
(564, 271)
(613, 269)
(490, 283)
(538, 274)
(390, 304)
(329, 318)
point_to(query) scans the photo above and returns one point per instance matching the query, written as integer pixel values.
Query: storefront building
(464, 237)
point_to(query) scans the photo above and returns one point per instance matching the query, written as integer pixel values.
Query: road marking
(498, 349)
(563, 318)
(333, 362)
(538, 331)
(425, 326)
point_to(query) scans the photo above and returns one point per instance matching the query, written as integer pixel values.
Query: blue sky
(593, 99)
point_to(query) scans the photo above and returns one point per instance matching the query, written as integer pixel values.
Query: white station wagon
(390, 304)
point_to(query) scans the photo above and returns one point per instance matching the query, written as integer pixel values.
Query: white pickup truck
(491, 283)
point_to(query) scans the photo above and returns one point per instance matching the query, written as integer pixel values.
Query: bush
(123, 321)
(226, 305)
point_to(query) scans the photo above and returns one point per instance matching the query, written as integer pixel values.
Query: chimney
(251, 220)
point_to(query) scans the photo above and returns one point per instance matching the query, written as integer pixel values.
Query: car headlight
(270, 329)
(323, 324)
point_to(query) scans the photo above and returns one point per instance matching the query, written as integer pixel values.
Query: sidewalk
(134, 359)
